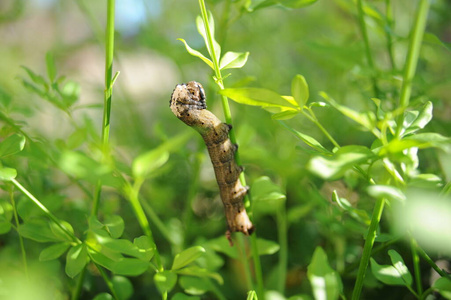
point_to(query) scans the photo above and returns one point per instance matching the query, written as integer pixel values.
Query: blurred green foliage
(312, 201)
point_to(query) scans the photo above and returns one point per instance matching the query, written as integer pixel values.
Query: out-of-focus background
(321, 41)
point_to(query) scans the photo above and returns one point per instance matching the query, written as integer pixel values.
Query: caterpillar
(188, 103)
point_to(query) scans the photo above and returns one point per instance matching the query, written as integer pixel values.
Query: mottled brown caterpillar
(188, 103)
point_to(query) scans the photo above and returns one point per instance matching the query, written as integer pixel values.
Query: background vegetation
(106, 195)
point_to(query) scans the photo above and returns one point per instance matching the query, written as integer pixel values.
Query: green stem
(228, 119)
(412, 59)
(77, 291)
(369, 58)
(109, 53)
(416, 266)
(46, 211)
(388, 29)
(282, 233)
(315, 121)
(369, 242)
(132, 194)
(16, 220)
(245, 261)
(430, 262)
(107, 281)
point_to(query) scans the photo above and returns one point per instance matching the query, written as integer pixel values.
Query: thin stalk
(369, 242)
(416, 266)
(109, 53)
(155, 219)
(228, 119)
(107, 281)
(282, 232)
(77, 291)
(431, 262)
(388, 29)
(46, 211)
(245, 262)
(315, 121)
(369, 57)
(22, 247)
(412, 59)
(132, 194)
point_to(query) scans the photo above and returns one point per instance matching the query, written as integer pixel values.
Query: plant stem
(245, 261)
(412, 59)
(132, 194)
(388, 29)
(431, 262)
(77, 291)
(109, 53)
(107, 281)
(228, 119)
(416, 266)
(282, 233)
(369, 58)
(369, 242)
(46, 211)
(16, 220)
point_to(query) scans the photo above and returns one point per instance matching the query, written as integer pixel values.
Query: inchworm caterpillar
(188, 103)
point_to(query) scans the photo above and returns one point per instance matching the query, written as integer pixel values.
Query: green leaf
(233, 60)
(296, 3)
(146, 163)
(299, 90)
(103, 296)
(257, 97)
(386, 191)
(53, 251)
(285, 115)
(180, 296)
(80, 166)
(51, 68)
(76, 259)
(252, 295)
(123, 287)
(129, 267)
(119, 245)
(70, 93)
(401, 267)
(194, 286)
(200, 272)
(39, 231)
(267, 197)
(420, 120)
(197, 54)
(334, 166)
(145, 247)
(12, 145)
(443, 286)
(221, 244)
(267, 247)
(386, 274)
(325, 281)
(37, 79)
(114, 225)
(165, 281)
(201, 29)
(366, 119)
(187, 256)
(7, 174)
(307, 139)
(358, 214)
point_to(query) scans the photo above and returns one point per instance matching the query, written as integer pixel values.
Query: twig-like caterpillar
(189, 104)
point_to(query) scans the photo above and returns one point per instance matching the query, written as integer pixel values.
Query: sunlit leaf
(146, 163)
(197, 54)
(53, 251)
(420, 120)
(386, 191)
(267, 247)
(7, 174)
(12, 145)
(296, 3)
(267, 197)
(334, 166)
(325, 281)
(221, 245)
(443, 286)
(400, 266)
(201, 29)
(129, 267)
(232, 60)
(299, 90)
(103, 296)
(386, 274)
(39, 231)
(307, 139)
(51, 68)
(187, 256)
(256, 97)
(194, 286)
(114, 225)
(165, 281)
(285, 115)
(145, 247)
(76, 259)
(358, 214)
(200, 272)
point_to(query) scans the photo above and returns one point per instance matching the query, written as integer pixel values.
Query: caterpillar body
(188, 103)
